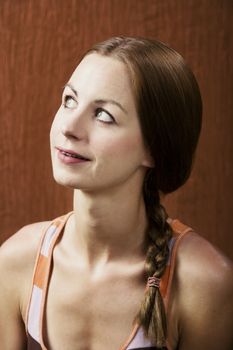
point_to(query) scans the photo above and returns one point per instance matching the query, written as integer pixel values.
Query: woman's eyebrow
(71, 87)
(100, 100)
(113, 102)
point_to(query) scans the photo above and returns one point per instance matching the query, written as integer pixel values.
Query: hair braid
(152, 313)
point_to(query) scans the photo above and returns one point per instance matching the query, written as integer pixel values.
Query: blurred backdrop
(41, 42)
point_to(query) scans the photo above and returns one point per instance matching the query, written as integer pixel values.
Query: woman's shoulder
(200, 261)
(203, 293)
(18, 254)
(22, 246)
(17, 259)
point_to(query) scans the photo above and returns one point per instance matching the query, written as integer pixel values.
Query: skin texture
(98, 279)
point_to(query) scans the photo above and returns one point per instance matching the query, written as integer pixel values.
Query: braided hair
(169, 109)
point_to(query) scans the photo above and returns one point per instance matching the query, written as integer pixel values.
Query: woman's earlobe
(149, 162)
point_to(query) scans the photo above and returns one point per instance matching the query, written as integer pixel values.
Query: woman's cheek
(123, 147)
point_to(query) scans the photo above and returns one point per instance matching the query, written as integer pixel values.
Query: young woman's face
(98, 121)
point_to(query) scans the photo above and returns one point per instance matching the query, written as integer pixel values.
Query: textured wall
(41, 42)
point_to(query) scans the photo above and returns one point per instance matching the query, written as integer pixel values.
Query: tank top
(42, 275)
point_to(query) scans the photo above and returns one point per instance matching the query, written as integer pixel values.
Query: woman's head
(168, 103)
(98, 120)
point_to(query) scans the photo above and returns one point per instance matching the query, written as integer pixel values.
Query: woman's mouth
(70, 157)
(67, 154)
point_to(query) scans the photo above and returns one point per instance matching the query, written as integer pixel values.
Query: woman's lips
(70, 157)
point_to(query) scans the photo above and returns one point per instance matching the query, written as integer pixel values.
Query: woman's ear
(148, 161)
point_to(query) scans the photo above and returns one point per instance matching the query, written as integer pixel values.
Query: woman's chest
(86, 314)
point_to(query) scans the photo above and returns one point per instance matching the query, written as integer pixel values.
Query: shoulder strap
(179, 231)
(34, 317)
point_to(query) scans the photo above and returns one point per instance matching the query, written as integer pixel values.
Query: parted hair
(169, 108)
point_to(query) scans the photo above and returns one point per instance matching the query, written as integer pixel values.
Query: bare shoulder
(204, 277)
(22, 246)
(202, 263)
(17, 259)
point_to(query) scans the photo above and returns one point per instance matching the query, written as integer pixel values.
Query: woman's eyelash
(66, 98)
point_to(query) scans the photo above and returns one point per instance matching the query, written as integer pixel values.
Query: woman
(125, 134)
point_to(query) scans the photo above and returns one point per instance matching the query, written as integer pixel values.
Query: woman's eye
(104, 116)
(69, 102)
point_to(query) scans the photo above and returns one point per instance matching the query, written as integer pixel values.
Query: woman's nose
(75, 125)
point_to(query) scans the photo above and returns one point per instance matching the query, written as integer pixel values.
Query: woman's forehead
(98, 74)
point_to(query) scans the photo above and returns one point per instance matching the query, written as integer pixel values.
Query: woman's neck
(107, 227)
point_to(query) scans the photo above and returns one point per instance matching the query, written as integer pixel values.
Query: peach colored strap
(180, 231)
(130, 338)
(40, 268)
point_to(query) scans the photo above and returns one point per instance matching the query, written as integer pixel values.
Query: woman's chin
(67, 182)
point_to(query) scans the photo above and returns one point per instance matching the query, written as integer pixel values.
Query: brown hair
(169, 108)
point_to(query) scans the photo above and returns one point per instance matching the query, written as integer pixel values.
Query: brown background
(41, 42)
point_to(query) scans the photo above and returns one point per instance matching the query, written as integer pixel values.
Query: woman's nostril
(69, 133)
